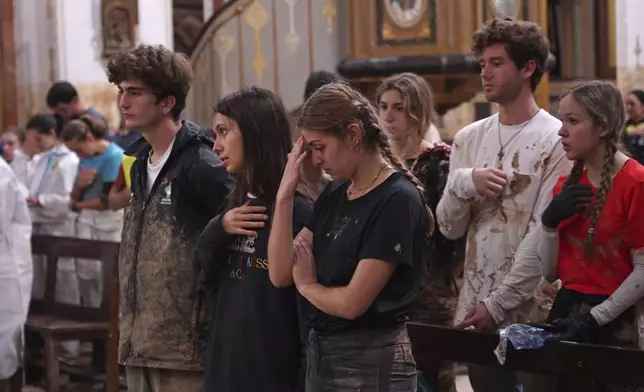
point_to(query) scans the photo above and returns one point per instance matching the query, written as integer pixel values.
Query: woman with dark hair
(255, 341)
(360, 258)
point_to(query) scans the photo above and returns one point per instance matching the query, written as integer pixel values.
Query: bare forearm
(76, 193)
(280, 244)
(119, 199)
(334, 301)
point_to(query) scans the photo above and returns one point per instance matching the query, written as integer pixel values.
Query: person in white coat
(15, 272)
(25, 156)
(49, 194)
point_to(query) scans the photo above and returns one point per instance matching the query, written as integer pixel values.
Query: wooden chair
(578, 367)
(56, 322)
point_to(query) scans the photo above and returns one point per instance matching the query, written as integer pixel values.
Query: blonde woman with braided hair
(592, 236)
(359, 259)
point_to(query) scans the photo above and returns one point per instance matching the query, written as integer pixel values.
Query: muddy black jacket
(159, 316)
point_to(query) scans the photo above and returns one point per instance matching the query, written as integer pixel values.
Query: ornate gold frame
(423, 31)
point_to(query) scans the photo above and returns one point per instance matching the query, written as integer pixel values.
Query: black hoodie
(159, 316)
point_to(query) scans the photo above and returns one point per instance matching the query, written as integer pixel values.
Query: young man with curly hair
(502, 172)
(178, 184)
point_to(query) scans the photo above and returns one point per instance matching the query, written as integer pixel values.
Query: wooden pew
(571, 364)
(56, 322)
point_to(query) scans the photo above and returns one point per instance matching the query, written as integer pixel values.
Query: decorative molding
(223, 45)
(257, 17)
(637, 51)
(329, 12)
(309, 23)
(276, 48)
(52, 51)
(293, 38)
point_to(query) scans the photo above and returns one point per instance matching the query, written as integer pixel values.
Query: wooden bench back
(566, 361)
(55, 247)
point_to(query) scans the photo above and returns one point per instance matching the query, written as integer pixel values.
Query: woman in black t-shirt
(255, 341)
(359, 259)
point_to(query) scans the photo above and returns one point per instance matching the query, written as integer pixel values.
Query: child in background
(100, 161)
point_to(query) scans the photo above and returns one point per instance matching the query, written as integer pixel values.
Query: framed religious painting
(405, 22)
(119, 20)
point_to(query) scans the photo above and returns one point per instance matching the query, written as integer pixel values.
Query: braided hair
(605, 106)
(336, 106)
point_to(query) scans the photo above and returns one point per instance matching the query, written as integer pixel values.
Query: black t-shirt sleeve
(302, 212)
(392, 230)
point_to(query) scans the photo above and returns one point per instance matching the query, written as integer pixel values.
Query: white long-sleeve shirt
(23, 166)
(496, 227)
(16, 271)
(52, 182)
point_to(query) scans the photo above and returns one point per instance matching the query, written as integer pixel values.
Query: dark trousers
(485, 379)
(365, 360)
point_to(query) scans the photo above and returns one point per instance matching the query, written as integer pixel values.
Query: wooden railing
(573, 365)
